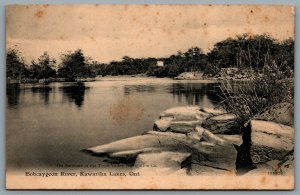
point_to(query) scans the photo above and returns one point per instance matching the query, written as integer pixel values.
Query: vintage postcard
(187, 97)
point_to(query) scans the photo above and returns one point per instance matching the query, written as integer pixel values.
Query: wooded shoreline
(244, 55)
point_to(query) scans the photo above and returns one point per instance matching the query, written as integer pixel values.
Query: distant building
(160, 63)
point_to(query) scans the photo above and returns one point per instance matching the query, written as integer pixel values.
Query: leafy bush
(257, 95)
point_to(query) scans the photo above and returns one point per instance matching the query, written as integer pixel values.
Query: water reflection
(74, 93)
(34, 118)
(43, 91)
(196, 93)
(13, 94)
(202, 94)
(129, 89)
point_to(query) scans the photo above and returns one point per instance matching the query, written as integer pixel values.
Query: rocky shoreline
(193, 141)
(224, 74)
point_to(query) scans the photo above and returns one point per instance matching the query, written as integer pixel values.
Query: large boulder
(220, 139)
(133, 153)
(197, 170)
(186, 113)
(152, 140)
(213, 110)
(270, 141)
(132, 143)
(184, 126)
(216, 156)
(205, 147)
(163, 124)
(179, 135)
(169, 124)
(223, 123)
(163, 163)
(282, 113)
(185, 119)
(215, 151)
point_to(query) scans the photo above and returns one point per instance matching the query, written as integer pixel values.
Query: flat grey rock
(162, 124)
(197, 170)
(162, 163)
(270, 141)
(185, 113)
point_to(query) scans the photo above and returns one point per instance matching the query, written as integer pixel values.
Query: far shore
(120, 78)
(185, 76)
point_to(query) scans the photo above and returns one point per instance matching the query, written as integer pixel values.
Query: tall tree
(43, 68)
(16, 68)
(74, 65)
(195, 59)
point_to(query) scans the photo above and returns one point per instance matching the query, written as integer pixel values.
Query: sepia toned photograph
(154, 97)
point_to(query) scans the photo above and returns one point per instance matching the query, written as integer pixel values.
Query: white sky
(109, 32)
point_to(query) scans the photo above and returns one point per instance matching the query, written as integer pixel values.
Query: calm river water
(50, 124)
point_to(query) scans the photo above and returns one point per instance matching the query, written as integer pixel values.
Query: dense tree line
(73, 65)
(257, 53)
(252, 52)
